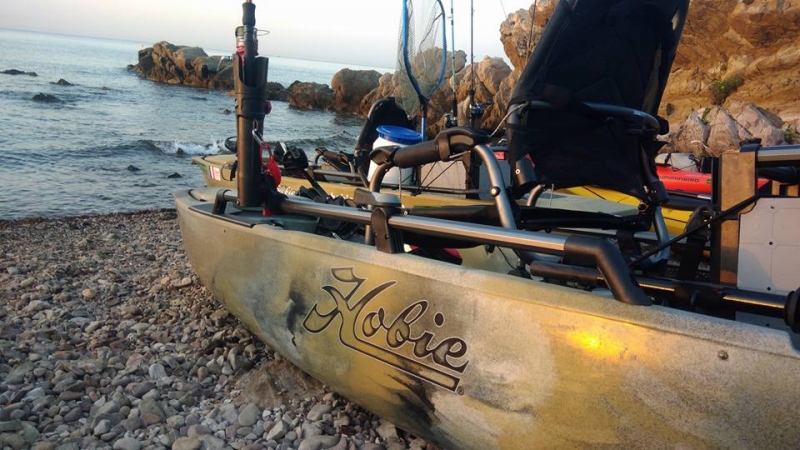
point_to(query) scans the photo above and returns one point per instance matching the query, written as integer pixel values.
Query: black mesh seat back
(616, 52)
(383, 112)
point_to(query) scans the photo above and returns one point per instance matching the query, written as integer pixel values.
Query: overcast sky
(346, 31)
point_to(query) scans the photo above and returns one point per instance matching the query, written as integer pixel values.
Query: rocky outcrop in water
(19, 72)
(180, 64)
(191, 66)
(46, 98)
(311, 96)
(351, 86)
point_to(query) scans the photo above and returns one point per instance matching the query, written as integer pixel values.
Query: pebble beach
(108, 340)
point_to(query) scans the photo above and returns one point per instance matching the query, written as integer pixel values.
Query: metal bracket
(386, 239)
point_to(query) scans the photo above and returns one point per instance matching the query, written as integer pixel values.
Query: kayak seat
(384, 111)
(583, 112)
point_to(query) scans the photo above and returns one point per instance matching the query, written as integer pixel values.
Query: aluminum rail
(602, 253)
(783, 155)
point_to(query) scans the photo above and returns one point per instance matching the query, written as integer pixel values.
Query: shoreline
(108, 340)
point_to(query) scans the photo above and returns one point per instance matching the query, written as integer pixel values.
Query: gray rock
(91, 365)
(151, 412)
(43, 446)
(198, 430)
(212, 443)
(15, 441)
(18, 373)
(249, 415)
(127, 444)
(10, 426)
(150, 406)
(229, 413)
(43, 403)
(310, 429)
(387, 430)
(139, 389)
(103, 427)
(192, 419)
(73, 415)
(109, 407)
(30, 433)
(132, 423)
(183, 282)
(188, 400)
(36, 306)
(34, 394)
(278, 430)
(167, 439)
(176, 421)
(319, 442)
(69, 446)
(157, 372)
(342, 421)
(318, 410)
(187, 443)
(371, 446)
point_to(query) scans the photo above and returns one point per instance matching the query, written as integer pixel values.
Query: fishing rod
(475, 109)
(472, 63)
(452, 121)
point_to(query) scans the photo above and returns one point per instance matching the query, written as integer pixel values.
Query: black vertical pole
(250, 82)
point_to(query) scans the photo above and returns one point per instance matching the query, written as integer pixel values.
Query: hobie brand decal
(395, 339)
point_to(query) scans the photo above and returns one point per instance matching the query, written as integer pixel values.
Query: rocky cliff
(753, 43)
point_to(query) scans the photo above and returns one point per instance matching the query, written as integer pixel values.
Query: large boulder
(351, 86)
(692, 135)
(311, 96)
(715, 129)
(759, 123)
(724, 133)
(515, 32)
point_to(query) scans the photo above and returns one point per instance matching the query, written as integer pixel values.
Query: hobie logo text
(395, 339)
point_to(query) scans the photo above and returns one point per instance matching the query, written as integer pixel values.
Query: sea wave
(187, 148)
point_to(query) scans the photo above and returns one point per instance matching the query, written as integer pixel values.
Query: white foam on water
(190, 148)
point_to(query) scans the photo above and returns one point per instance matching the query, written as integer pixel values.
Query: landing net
(421, 53)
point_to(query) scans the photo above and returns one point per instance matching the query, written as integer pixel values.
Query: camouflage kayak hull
(475, 358)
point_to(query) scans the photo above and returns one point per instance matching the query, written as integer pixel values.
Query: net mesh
(420, 52)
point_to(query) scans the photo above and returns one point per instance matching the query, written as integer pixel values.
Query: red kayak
(684, 180)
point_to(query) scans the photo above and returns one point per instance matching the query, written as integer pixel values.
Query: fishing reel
(476, 110)
(450, 121)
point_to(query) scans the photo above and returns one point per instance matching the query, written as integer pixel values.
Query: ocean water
(72, 158)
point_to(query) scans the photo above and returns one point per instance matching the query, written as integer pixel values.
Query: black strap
(695, 242)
